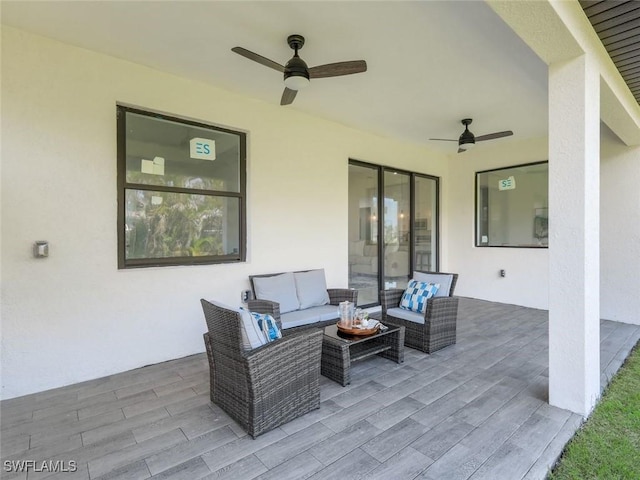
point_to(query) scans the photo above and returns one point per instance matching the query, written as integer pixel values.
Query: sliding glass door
(363, 232)
(425, 223)
(393, 226)
(397, 229)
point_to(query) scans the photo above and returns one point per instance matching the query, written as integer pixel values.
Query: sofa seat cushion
(365, 269)
(359, 260)
(278, 288)
(308, 316)
(443, 279)
(405, 315)
(328, 312)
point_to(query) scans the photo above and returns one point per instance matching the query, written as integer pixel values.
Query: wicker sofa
(315, 316)
(436, 328)
(268, 386)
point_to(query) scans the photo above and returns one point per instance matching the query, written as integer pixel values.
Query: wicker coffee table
(340, 350)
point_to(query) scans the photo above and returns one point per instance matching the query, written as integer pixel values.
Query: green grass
(608, 444)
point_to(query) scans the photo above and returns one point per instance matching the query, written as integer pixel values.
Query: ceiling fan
(296, 73)
(467, 140)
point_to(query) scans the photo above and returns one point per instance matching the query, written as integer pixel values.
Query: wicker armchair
(266, 387)
(440, 318)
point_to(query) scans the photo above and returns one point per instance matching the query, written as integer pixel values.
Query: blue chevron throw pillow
(268, 326)
(416, 295)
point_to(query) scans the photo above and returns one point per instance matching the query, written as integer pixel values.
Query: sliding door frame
(381, 170)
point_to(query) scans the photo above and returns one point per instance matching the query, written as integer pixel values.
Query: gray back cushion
(252, 336)
(311, 287)
(443, 279)
(278, 288)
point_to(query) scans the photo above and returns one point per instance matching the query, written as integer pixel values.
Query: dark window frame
(477, 243)
(380, 171)
(123, 186)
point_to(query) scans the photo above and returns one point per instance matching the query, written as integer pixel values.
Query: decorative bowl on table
(359, 329)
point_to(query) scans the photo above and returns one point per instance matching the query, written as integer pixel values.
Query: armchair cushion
(416, 295)
(404, 314)
(278, 288)
(252, 336)
(311, 288)
(444, 279)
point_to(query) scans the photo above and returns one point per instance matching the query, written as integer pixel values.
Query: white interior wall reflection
(515, 216)
(363, 233)
(426, 229)
(397, 229)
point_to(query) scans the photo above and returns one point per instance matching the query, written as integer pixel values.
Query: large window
(181, 191)
(513, 206)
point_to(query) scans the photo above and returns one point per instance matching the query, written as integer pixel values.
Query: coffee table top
(332, 332)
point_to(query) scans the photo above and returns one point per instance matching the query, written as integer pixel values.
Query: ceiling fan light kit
(296, 82)
(468, 140)
(297, 75)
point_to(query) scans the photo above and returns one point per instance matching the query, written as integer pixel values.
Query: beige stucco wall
(75, 316)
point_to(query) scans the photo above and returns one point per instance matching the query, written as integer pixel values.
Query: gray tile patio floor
(476, 410)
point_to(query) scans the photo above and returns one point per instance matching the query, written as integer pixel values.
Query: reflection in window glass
(161, 152)
(425, 224)
(512, 206)
(397, 233)
(162, 224)
(363, 233)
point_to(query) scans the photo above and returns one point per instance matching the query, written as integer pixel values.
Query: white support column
(574, 247)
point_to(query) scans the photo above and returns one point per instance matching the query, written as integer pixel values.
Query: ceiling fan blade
(288, 96)
(491, 136)
(444, 139)
(337, 69)
(461, 150)
(258, 58)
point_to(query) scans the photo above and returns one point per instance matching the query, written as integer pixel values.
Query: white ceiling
(430, 63)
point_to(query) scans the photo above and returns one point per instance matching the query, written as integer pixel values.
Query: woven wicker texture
(440, 319)
(263, 388)
(337, 355)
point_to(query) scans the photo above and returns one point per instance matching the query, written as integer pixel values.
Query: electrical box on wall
(41, 249)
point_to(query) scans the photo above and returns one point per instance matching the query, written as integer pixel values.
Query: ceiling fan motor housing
(296, 67)
(296, 71)
(467, 139)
